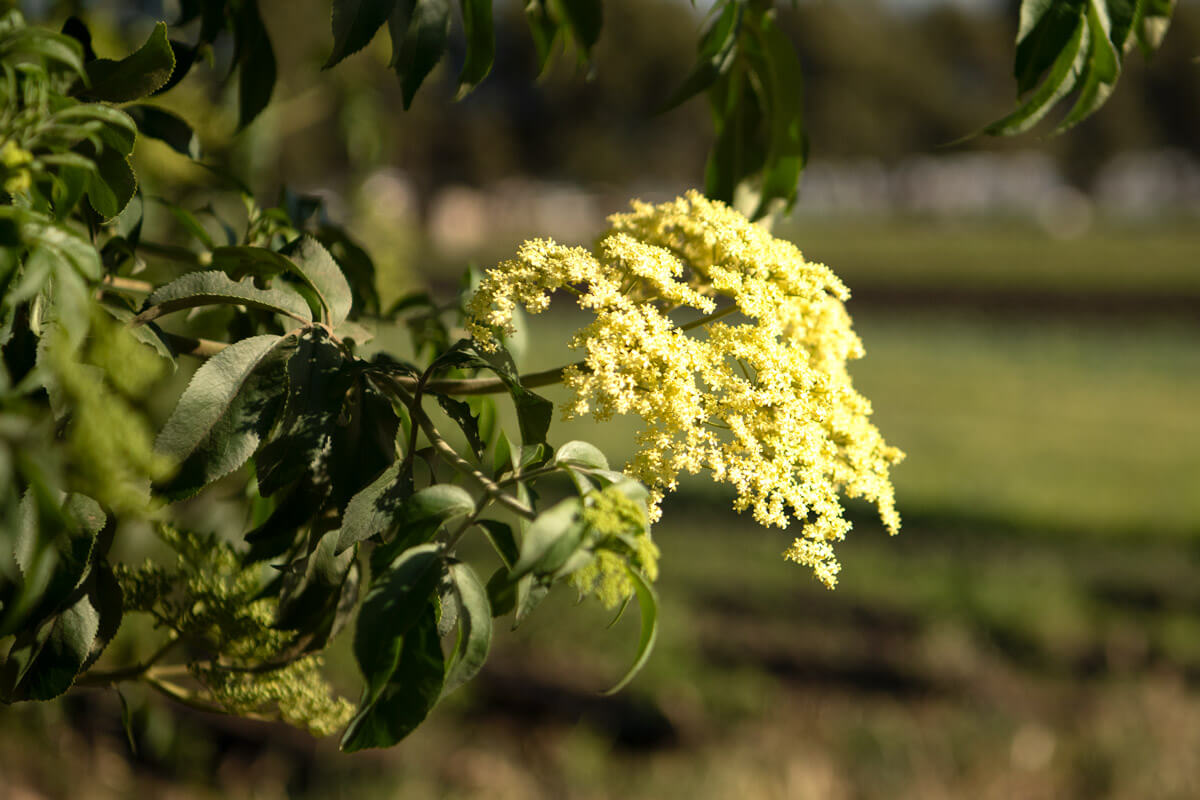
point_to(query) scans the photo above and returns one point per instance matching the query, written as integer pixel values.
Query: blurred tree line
(879, 84)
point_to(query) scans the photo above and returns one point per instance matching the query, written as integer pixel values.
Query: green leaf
(581, 454)
(1046, 28)
(391, 608)
(238, 261)
(318, 269)
(411, 692)
(373, 510)
(475, 628)
(135, 76)
(501, 536)
(584, 18)
(312, 587)
(460, 412)
(215, 288)
(779, 72)
(648, 603)
(717, 50)
(112, 185)
(551, 539)
(65, 649)
(364, 442)
(256, 60)
(1103, 69)
(209, 394)
(355, 23)
(481, 44)
(419, 31)
(236, 434)
(531, 591)
(167, 127)
(420, 516)
(1062, 77)
(318, 381)
(543, 28)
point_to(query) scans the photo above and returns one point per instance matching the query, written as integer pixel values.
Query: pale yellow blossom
(730, 346)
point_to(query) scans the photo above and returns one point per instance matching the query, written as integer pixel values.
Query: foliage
(358, 492)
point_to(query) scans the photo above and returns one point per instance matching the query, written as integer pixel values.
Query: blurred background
(1031, 313)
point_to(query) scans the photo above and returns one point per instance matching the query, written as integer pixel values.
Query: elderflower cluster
(730, 346)
(619, 536)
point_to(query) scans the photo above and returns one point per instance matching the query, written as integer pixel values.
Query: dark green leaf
(1153, 19)
(238, 261)
(312, 587)
(391, 608)
(531, 591)
(135, 76)
(166, 126)
(113, 184)
(419, 31)
(584, 18)
(501, 536)
(354, 25)
(256, 60)
(648, 603)
(318, 381)
(364, 442)
(481, 44)
(718, 48)
(475, 636)
(412, 691)
(420, 517)
(1062, 77)
(65, 649)
(460, 412)
(543, 28)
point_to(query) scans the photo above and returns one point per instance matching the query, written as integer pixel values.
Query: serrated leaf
(355, 23)
(209, 394)
(481, 44)
(166, 126)
(531, 591)
(240, 429)
(648, 604)
(420, 516)
(134, 76)
(239, 261)
(475, 628)
(215, 288)
(318, 269)
(419, 31)
(65, 649)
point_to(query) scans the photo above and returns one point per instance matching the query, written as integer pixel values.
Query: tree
(361, 475)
